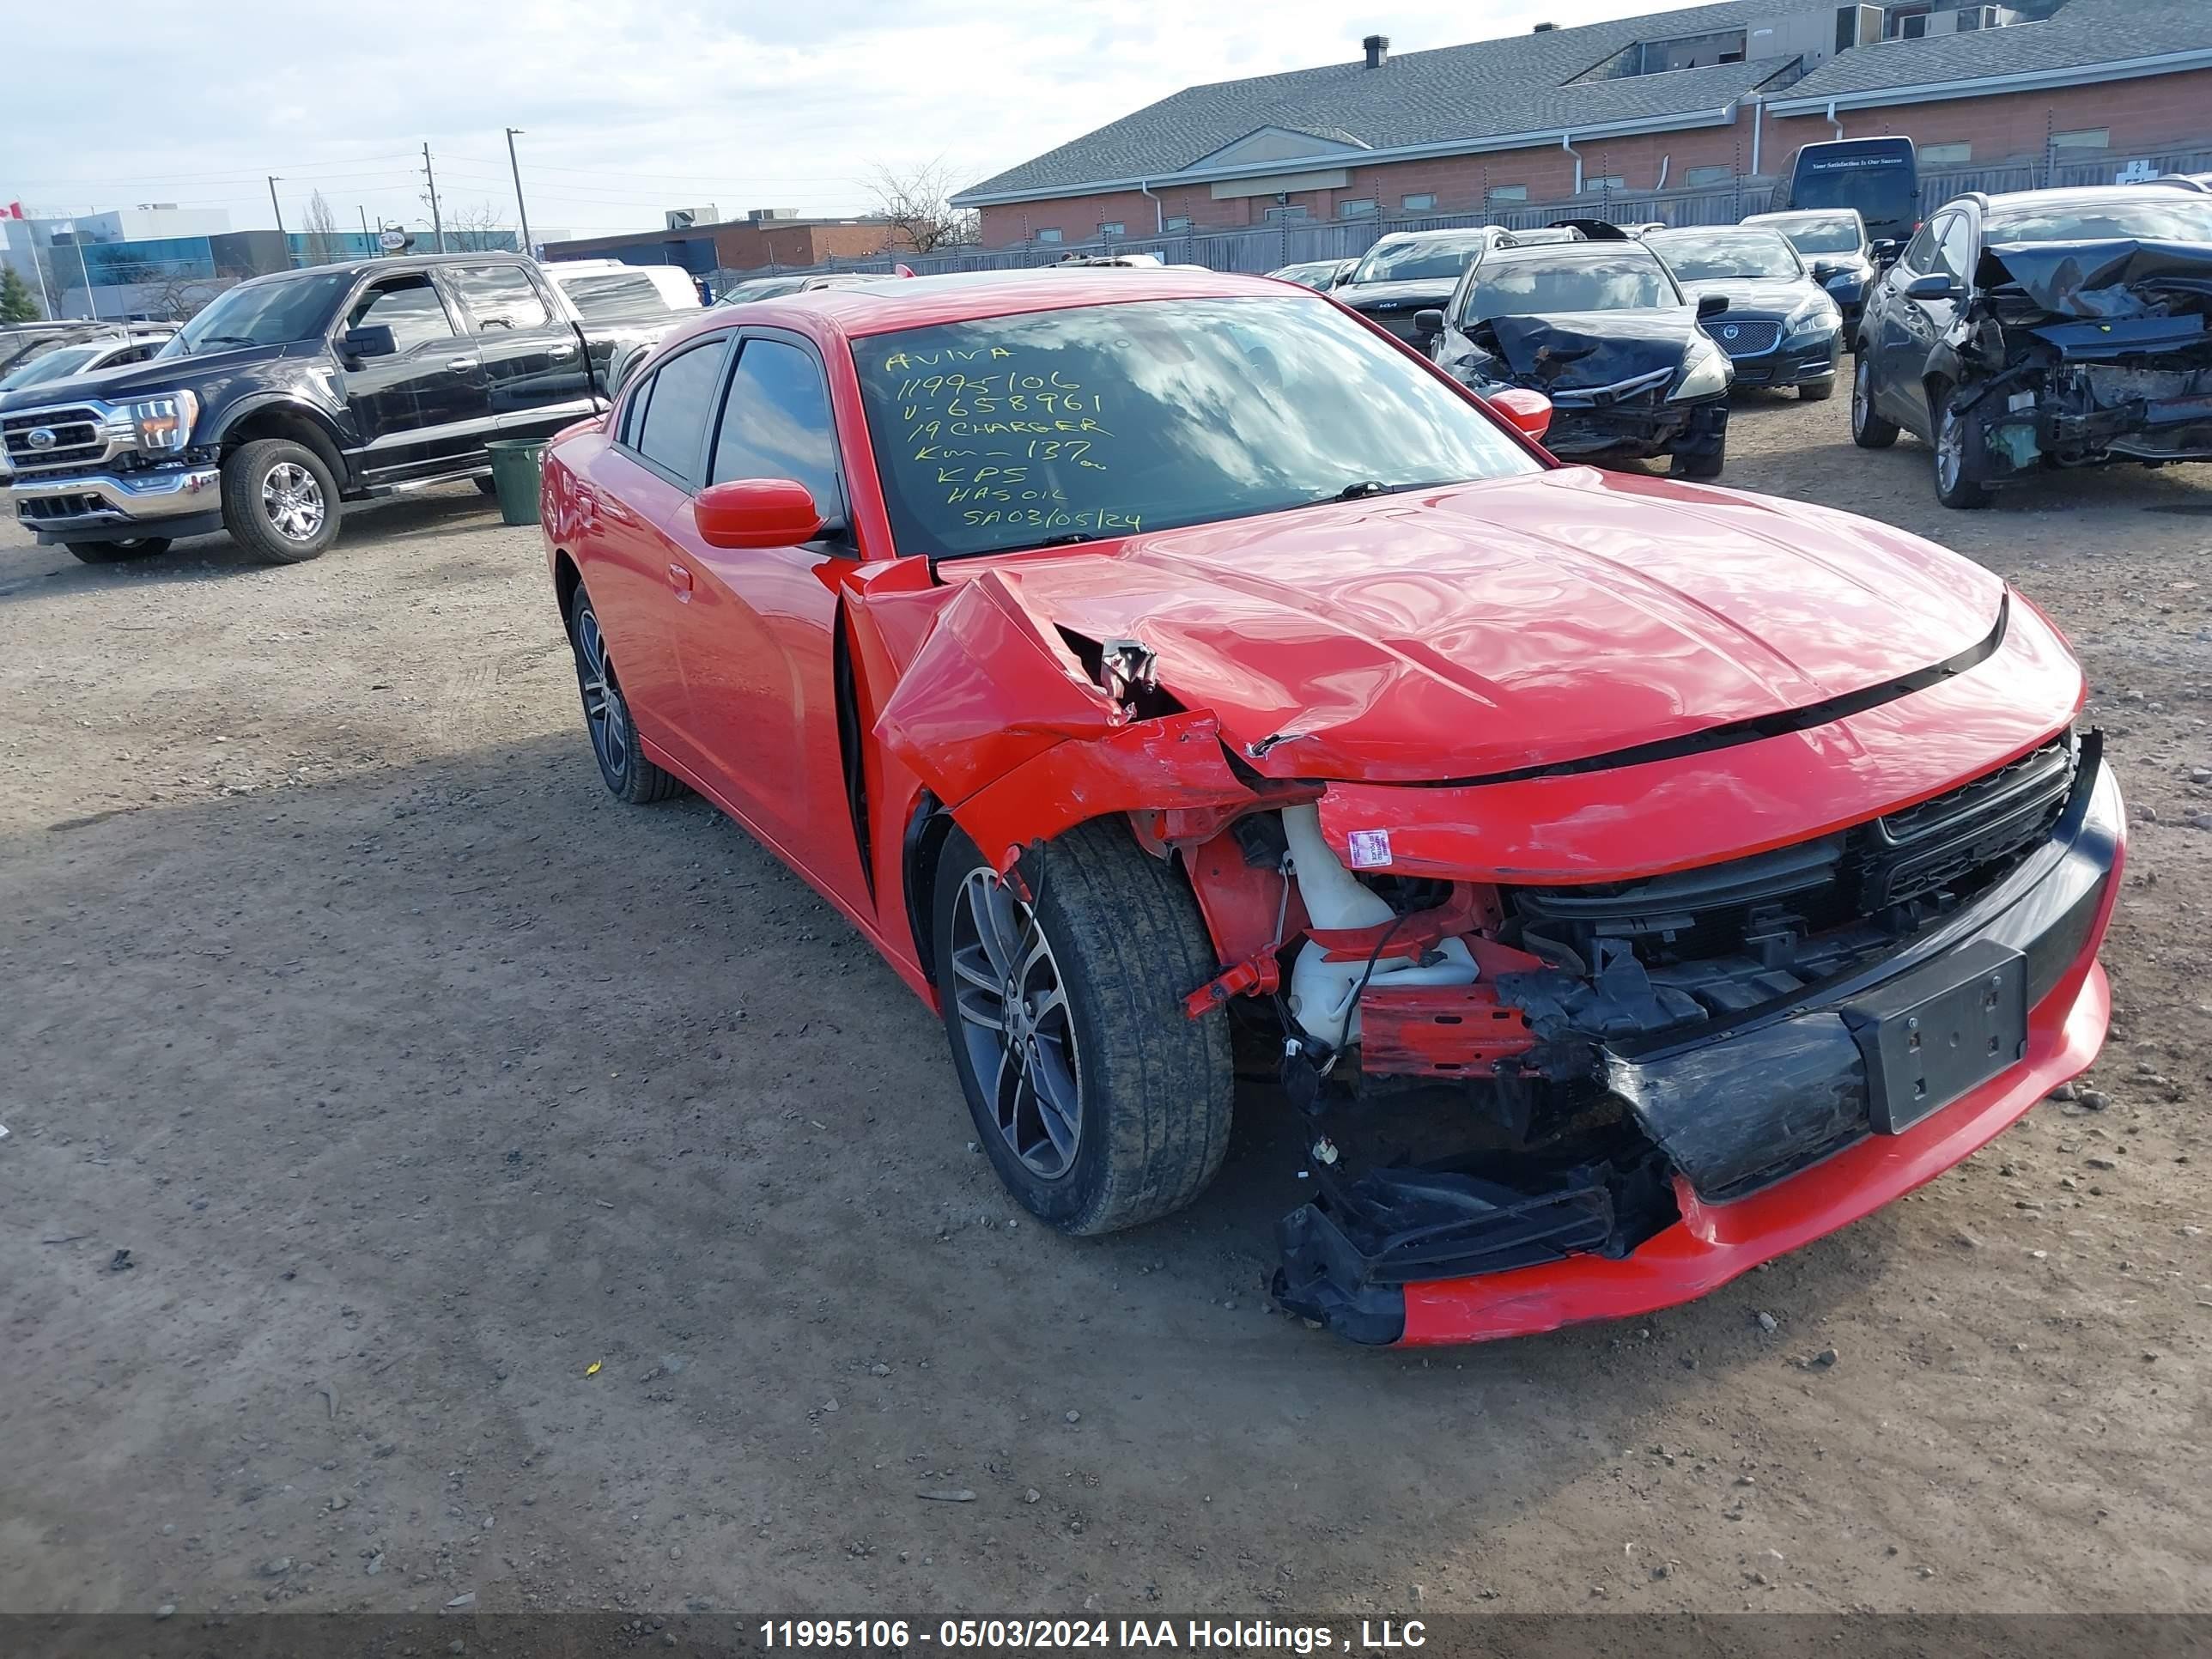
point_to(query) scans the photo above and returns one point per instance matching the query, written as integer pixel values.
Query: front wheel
(1701, 466)
(1101, 1103)
(1959, 465)
(138, 547)
(1816, 392)
(279, 500)
(1869, 430)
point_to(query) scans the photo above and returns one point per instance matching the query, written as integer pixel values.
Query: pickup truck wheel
(1099, 1101)
(138, 547)
(487, 487)
(623, 766)
(1869, 430)
(279, 500)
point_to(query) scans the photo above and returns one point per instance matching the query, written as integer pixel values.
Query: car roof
(889, 303)
(1521, 253)
(2074, 196)
(1791, 213)
(1711, 230)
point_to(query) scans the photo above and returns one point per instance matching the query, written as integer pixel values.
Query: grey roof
(1496, 90)
(1493, 88)
(2084, 33)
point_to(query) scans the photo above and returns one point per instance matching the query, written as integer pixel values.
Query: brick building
(759, 239)
(1704, 96)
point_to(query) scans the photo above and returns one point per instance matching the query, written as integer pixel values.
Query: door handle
(563, 351)
(456, 364)
(680, 579)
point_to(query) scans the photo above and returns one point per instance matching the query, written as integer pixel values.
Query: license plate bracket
(1930, 1036)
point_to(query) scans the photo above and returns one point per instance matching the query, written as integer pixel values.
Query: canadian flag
(15, 210)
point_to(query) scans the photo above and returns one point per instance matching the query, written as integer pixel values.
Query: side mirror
(756, 513)
(1529, 413)
(1428, 322)
(1710, 305)
(1932, 285)
(1884, 251)
(376, 340)
(1826, 271)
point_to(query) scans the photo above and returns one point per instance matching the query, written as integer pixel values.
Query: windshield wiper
(1368, 487)
(232, 339)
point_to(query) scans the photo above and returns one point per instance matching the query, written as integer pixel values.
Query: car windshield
(2178, 218)
(1517, 285)
(264, 314)
(1704, 256)
(1101, 421)
(53, 366)
(762, 287)
(1417, 259)
(1829, 234)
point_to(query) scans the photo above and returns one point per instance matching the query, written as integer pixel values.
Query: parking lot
(427, 1177)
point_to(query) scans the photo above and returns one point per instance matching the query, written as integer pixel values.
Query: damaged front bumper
(1639, 431)
(1772, 1129)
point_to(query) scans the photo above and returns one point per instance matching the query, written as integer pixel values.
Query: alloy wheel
(292, 497)
(604, 714)
(1014, 1023)
(1950, 450)
(1862, 394)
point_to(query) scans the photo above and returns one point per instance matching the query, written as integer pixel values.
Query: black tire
(1869, 430)
(279, 500)
(1123, 937)
(1816, 392)
(629, 775)
(138, 547)
(487, 487)
(1960, 464)
(1701, 466)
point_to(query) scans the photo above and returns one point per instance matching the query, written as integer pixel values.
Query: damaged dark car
(1405, 277)
(1603, 329)
(2023, 333)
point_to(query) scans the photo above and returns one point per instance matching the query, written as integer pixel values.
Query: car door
(1915, 326)
(758, 631)
(637, 554)
(423, 409)
(534, 367)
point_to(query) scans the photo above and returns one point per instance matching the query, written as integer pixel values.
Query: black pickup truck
(291, 393)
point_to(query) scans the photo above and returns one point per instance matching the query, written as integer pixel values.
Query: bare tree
(918, 203)
(324, 245)
(485, 227)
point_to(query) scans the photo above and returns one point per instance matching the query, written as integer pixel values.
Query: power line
(244, 175)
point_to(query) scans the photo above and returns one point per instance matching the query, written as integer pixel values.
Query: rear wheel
(629, 775)
(1100, 1104)
(279, 500)
(138, 547)
(1869, 430)
(1961, 465)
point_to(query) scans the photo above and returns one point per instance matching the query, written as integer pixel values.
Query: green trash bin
(516, 464)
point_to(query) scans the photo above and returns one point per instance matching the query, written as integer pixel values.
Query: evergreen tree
(18, 304)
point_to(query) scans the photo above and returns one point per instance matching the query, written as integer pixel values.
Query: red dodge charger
(1196, 696)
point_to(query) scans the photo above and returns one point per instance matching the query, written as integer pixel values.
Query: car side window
(1958, 247)
(410, 307)
(672, 430)
(1919, 255)
(499, 296)
(776, 424)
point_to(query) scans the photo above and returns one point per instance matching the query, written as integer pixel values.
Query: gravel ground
(428, 1177)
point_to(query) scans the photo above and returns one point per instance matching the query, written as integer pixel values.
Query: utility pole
(279, 212)
(437, 224)
(365, 236)
(515, 168)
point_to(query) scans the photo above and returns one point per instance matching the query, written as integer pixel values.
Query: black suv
(2045, 328)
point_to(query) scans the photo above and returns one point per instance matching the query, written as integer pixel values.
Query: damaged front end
(1579, 1038)
(2078, 354)
(1623, 385)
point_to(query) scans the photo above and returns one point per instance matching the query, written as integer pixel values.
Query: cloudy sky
(628, 106)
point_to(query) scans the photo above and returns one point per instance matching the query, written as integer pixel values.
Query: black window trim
(837, 536)
(720, 340)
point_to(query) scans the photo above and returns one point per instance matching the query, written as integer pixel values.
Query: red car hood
(1482, 628)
